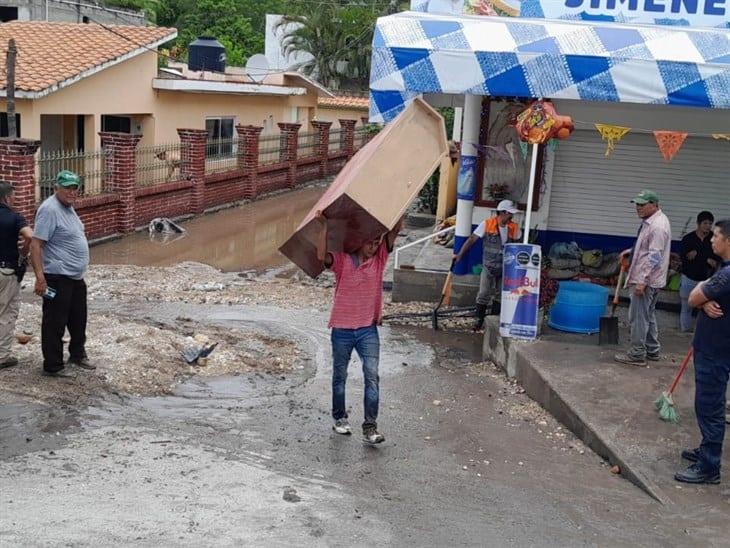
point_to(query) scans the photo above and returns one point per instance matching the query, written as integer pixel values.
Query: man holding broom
(712, 364)
(495, 233)
(356, 314)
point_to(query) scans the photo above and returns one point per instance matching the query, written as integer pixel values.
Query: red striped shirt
(358, 290)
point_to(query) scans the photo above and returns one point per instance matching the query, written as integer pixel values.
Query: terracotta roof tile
(344, 101)
(49, 53)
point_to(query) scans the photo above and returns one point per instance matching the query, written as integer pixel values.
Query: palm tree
(338, 35)
(318, 34)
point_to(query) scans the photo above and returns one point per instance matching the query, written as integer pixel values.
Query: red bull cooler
(520, 291)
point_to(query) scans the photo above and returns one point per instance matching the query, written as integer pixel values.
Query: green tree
(338, 35)
(238, 24)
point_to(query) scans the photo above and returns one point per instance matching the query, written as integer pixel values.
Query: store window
(220, 136)
(505, 160)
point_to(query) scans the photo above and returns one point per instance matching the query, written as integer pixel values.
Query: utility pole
(10, 88)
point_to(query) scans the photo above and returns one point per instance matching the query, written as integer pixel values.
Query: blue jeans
(711, 376)
(366, 342)
(685, 316)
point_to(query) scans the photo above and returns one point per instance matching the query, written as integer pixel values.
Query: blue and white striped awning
(415, 53)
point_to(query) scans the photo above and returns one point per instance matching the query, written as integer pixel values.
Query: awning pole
(530, 194)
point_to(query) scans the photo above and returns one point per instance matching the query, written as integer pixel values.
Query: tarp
(415, 53)
(374, 189)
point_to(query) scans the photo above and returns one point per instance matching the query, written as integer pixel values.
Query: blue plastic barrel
(578, 307)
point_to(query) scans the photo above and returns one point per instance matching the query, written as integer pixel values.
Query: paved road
(251, 460)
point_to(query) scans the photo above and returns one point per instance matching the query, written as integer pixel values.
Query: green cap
(67, 178)
(645, 197)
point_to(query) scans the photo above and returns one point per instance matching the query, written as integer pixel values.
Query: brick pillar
(248, 157)
(322, 148)
(121, 168)
(17, 166)
(289, 143)
(192, 164)
(348, 136)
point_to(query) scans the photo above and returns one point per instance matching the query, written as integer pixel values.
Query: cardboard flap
(375, 188)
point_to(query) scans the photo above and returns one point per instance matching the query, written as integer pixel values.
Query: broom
(664, 403)
(445, 296)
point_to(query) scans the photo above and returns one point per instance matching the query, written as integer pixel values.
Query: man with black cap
(15, 238)
(495, 232)
(60, 257)
(647, 275)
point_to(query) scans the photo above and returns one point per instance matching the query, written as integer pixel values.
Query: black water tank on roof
(207, 53)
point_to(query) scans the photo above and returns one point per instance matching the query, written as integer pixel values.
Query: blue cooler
(578, 307)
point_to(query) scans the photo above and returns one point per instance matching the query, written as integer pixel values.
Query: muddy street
(248, 458)
(148, 450)
(234, 239)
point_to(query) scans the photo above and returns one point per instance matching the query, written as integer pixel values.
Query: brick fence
(124, 204)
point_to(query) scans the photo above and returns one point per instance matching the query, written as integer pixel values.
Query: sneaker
(692, 455)
(61, 373)
(342, 426)
(653, 357)
(83, 363)
(372, 436)
(10, 362)
(625, 358)
(695, 474)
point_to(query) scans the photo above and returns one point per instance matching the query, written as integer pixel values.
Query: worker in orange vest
(495, 232)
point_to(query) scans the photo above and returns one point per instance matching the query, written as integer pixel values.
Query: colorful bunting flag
(612, 135)
(669, 143)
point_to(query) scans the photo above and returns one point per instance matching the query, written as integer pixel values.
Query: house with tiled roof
(343, 106)
(74, 80)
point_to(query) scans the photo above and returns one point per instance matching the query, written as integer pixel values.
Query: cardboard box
(375, 188)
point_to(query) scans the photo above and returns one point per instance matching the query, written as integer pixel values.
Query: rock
(615, 469)
(436, 402)
(23, 338)
(290, 495)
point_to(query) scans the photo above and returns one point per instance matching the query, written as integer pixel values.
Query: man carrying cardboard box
(356, 314)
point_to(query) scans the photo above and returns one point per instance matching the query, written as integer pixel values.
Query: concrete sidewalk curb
(519, 360)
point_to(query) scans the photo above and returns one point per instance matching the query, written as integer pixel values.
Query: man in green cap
(60, 258)
(646, 276)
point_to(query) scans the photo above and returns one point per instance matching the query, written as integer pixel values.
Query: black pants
(66, 309)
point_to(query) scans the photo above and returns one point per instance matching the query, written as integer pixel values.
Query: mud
(222, 461)
(240, 238)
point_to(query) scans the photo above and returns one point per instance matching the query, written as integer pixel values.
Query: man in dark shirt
(15, 236)
(698, 264)
(712, 364)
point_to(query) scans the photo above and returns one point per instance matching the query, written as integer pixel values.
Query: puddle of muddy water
(240, 238)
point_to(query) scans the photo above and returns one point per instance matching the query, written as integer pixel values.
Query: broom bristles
(667, 411)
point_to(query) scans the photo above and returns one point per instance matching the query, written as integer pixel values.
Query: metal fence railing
(91, 167)
(159, 164)
(336, 136)
(270, 149)
(221, 155)
(361, 137)
(307, 144)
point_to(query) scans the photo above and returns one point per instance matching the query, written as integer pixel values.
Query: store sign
(520, 291)
(695, 13)
(466, 185)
